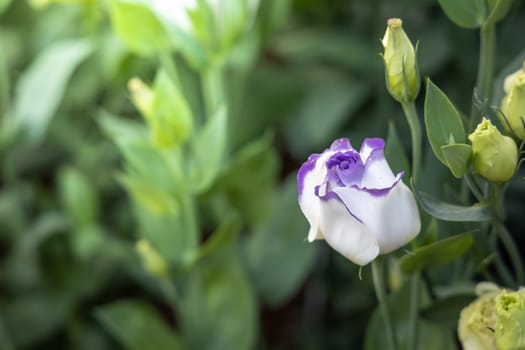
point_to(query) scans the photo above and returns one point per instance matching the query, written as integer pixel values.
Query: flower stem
(486, 60)
(415, 131)
(512, 250)
(414, 311)
(379, 286)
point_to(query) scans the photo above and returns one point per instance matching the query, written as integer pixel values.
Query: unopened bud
(401, 71)
(513, 104)
(495, 156)
(153, 262)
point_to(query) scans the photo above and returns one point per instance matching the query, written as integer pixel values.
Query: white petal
(311, 175)
(377, 172)
(392, 217)
(345, 234)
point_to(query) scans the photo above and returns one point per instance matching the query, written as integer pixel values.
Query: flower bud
(513, 104)
(401, 71)
(153, 262)
(510, 312)
(495, 156)
(477, 323)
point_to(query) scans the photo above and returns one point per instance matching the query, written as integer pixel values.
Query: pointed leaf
(436, 254)
(457, 157)
(464, 13)
(442, 121)
(451, 212)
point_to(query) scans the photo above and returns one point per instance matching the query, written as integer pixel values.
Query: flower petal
(369, 145)
(377, 173)
(312, 174)
(390, 215)
(345, 234)
(341, 145)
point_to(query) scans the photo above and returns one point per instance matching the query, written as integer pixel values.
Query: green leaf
(395, 153)
(79, 197)
(42, 86)
(457, 157)
(464, 13)
(446, 311)
(451, 212)
(442, 121)
(138, 26)
(219, 306)
(498, 10)
(4, 4)
(207, 151)
(277, 254)
(138, 326)
(121, 130)
(436, 254)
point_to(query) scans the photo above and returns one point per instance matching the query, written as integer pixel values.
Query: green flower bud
(401, 71)
(513, 104)
(510, 324)
(153, 262)
(495, 156)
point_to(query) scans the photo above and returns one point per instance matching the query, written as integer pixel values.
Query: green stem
(486, 60)
(414, 311)
(503, 271)
(512, 250)
(166, 61)
(379, 286)
(415, 131)
(213, 89)
(4, 83)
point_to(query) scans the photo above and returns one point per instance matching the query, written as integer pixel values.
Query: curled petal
(370, 145)
(341, 145)
(345, 234)
(377, 173)
(391, 216)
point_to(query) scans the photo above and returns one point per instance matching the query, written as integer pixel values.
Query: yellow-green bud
(513, 104)
(495, 156)
(401, 71)
(153, 262)
(142, 97)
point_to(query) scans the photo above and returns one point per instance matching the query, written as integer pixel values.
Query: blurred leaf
(430, 335)
(207, 151)
(452, 212)
(138, 26)
(442, 121)
(42, 86)
(498, 9)
(138, 326)
(277, 254)
(87, 242)
(252, 174)
(120, 129)
(33, 318)
(395, 154)
(219, 306)
(4, 4)
(79, 197)
(436, 254)
(464, 13)
(330, 102)
(457, 157)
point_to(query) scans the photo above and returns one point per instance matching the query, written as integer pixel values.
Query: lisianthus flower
(354, 201)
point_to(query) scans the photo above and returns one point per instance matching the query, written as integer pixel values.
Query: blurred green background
(303, 73)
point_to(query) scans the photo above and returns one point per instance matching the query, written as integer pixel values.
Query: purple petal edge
(379, 192)
(370, 146)
(307, 166)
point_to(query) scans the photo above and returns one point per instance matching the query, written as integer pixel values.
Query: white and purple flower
(353, 201)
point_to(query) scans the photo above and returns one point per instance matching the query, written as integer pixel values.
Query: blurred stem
(4, 83)
(379, 286)
(213, 89)
(512, 250)
(503, 271)
(414, 310)
(486, 60)
(166, 61)
(415, 131)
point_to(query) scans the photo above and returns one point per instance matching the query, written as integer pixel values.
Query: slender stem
(486, 60)
(4, 83)
(379, 286)
(414, 311)
(213, 89)
(503, 271)
(512, 250)
(415, 131)
(473, 188)
(166, 61)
